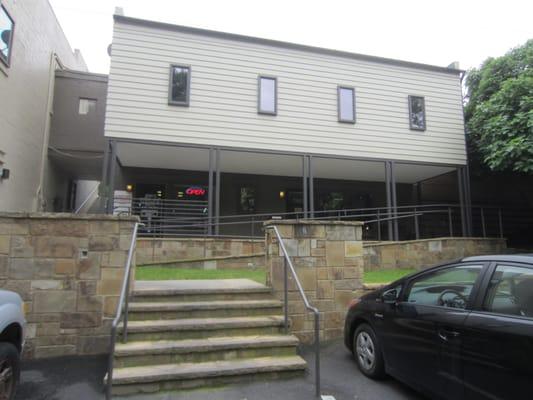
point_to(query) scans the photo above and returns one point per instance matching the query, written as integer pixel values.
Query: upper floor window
(7, 26)
(267, 95)
(180, 85)
(346, 104)
(86, 106)
(417, 113)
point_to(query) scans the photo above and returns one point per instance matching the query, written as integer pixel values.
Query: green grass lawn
(159, 273)
(385, 275)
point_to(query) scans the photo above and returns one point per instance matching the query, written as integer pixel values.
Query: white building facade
(246, 125)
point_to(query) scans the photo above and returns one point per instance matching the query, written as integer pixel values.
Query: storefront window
(247, 199)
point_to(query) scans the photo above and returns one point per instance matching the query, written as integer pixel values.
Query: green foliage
(499, 111)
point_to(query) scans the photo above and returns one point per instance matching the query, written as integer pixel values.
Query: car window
(510, 291)
(449, 287)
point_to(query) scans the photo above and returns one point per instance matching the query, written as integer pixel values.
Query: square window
(346, 104)
(7, 26)
(267, 95)
(86, 106)
(417, 113)
(180, 82)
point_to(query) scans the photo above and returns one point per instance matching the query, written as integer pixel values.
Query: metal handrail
(309, 307)
(121, 312)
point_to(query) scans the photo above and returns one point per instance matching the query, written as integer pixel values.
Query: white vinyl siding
(224, 99)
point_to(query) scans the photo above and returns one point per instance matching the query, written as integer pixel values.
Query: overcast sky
(426, 31)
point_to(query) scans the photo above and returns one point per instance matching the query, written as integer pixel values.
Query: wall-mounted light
(281, 194)
(129, 187)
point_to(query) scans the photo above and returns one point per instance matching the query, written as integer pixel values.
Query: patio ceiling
(239, 162)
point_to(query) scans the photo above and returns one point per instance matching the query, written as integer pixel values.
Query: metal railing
(429, 220)
(122, 313)
(308, 306)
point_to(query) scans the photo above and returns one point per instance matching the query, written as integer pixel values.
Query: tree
(499, 111)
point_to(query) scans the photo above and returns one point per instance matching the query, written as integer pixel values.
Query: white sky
(426, 31)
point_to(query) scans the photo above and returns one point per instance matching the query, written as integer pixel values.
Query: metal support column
(210, 195)
(112, 173)
(389, 201)
(462, 200)
(311, 188)
(468, 201)
(394, 200)
(304, 184)
(105, 178)
(483, 227)
(217, 191)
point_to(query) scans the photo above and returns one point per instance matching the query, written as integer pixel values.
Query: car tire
(368, 353)
(9, 370)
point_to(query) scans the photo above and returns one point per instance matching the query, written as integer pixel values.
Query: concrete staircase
(187, 334)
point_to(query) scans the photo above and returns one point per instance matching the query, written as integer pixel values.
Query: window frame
(411, 126)
(483, 292)
(90, 100)
(477, 289)
(7, 62)
(187, 101)
(259, 110)
(339, 117)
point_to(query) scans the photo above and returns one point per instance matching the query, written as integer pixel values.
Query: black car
(462, 330)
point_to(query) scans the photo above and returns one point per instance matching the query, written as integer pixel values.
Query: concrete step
(202, 350)
(194, 328)
(162, 377)
(200, 290)
(139, 311)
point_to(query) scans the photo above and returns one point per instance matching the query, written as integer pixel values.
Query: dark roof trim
(72, 74)
(286, 45)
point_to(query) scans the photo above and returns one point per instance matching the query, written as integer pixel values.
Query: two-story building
(212, 124)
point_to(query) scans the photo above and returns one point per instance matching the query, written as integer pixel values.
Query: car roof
(519, 258)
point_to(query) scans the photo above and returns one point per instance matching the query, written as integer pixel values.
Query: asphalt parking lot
(81, 378)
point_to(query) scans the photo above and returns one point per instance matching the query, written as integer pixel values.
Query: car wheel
(367, 352)
(9, 371)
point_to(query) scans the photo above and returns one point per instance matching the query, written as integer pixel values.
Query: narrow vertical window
(417, 113)
(180, 85)
(346, 104)
(7, 26)
(267, 95)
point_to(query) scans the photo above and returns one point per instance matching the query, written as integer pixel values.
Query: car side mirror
(390, 296)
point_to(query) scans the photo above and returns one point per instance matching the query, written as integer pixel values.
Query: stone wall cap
(310, 222)
(68, 216)
(437, 239)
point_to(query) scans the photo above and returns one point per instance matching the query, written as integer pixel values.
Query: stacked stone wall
(68, 270)
(328, 258)
(167, 250)
(420, 254)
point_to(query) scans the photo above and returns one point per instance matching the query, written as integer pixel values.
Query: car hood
(8, 297)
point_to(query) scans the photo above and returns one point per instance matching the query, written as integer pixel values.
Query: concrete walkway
(81, 378)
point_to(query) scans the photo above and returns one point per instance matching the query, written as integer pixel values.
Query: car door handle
(446, 334)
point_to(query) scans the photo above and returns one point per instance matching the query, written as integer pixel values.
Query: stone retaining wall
(253, 261)
(68, 269)
(152, 251)
(328, 258)
(419, 254)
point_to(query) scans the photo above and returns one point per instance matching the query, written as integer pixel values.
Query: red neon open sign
(195, 191)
